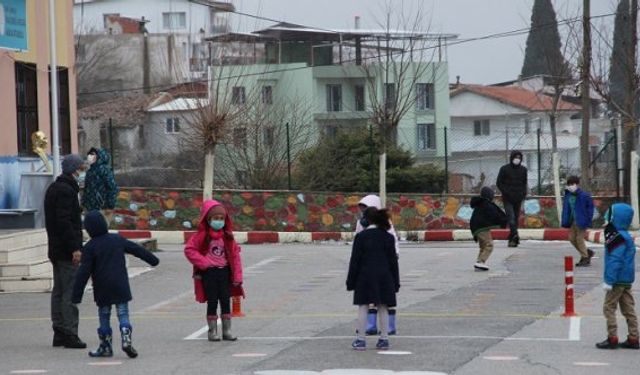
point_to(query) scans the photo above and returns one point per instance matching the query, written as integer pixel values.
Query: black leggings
(216, 287)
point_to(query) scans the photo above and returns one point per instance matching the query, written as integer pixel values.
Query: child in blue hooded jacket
(619, 275)
(577, 215)
(103, 259)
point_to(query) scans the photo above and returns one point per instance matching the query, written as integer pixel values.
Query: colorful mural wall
(159, 209)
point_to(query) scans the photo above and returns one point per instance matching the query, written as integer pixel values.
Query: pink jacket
(196, 248)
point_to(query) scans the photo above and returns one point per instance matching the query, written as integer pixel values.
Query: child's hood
(477, 202)
(95, 224)
(621, 215)
(204, 211)
(371, 201)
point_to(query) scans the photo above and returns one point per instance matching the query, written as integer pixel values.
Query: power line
(505, 34)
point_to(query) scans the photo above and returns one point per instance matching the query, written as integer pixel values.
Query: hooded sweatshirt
(372, 200)
(512, 180)
(200, 244)
(100, 188)
(620, 250)
(103, 259)
(486, 214)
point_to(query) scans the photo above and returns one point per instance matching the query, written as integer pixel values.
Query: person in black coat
(63, 223)
(103, 259)
(373, 274)
(486, 216)
(512, 183)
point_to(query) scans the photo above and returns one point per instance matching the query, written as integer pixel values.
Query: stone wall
(290, 211)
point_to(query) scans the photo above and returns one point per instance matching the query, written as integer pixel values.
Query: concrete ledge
(258, 237)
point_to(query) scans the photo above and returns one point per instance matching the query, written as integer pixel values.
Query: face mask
(91, 159)
(80, 177)
(216, 224)
(516, 161)
(572, 188)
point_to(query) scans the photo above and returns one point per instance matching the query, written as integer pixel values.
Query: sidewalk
(258, 237)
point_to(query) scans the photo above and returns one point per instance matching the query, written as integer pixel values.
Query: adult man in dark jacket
(64, 231)
(512, 182)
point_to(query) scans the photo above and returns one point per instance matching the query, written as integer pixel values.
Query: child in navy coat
(103, 259)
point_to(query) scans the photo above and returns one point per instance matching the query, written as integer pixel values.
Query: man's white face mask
(516, 161)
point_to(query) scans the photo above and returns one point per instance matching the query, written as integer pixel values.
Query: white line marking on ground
(261, 264)
(249, 355)
(113, 363)
(501, 358)
(28, 372)
(574, 328)
(591, 364)
(394, 352)
(316, 338)
(196, 334)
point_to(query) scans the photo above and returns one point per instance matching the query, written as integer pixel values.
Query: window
(424, 96)
(172, 125)
(27, 106)
(334, 98)
(359, 95)
(267, 95)
(269, 136)
(64, 117)
(238, 95)
(390, 96)
(174, 20)
(481, 127)
(426, 137)
(240, 137)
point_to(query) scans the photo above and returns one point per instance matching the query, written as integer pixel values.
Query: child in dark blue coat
(577, 215)
(373, 274)
(103, 259)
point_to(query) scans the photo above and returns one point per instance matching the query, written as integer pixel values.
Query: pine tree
(618, 72)
(543, 53)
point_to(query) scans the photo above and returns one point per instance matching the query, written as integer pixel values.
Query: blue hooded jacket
(103, 259)
(620, 250)
(583, 210)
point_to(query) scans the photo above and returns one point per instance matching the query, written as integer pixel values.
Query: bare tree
(401, 62)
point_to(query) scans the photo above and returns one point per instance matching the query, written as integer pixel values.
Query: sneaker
(359, 344)
(58, 338)
(591, 253)
(382, 344)
(584, 262)
(512, 243)
(630, 344)
(609, 343)
(481, 266)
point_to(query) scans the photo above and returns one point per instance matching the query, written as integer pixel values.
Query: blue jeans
(104, 315)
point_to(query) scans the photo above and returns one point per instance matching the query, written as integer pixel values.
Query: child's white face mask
(572, 188)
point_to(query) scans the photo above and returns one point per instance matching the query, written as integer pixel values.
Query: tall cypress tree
(619, 71)
(543, 53)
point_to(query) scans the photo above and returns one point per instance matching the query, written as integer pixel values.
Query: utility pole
(53, 66)
(586, 100)
(629, 126)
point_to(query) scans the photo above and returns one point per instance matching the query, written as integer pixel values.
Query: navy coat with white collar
(103, 259)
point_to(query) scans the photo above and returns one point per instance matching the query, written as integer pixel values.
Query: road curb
(259, 237)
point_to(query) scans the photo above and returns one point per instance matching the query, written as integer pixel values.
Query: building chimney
(357, 23)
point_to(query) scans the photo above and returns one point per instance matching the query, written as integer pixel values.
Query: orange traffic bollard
(236, 308)
(568, 292)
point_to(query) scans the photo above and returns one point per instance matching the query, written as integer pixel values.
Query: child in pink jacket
(217, 266)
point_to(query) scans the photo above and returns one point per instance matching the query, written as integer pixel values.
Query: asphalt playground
(299, 318)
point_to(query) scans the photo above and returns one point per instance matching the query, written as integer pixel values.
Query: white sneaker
(481, 266)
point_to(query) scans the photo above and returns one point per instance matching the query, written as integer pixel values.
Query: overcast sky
(487, 61)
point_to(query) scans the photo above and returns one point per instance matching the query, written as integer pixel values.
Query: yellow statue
(39, 144)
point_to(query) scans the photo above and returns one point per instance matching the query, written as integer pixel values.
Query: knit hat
(487, 193)
(71, 163)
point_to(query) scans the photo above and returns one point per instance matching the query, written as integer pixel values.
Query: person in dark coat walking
(486, 216)
(512, 183)
(64, 232)
(103, 259)
(373, 274)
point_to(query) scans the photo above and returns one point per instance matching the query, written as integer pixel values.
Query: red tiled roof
(517, 97)
(129, 25)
